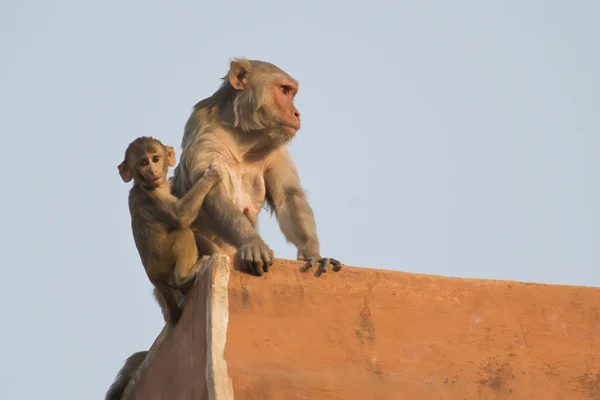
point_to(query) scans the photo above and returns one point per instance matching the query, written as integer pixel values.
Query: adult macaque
(248, 121)
(115, 392)
(161, 222)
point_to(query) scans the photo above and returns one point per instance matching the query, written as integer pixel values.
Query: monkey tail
(124, 376)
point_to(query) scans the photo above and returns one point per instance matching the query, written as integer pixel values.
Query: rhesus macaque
(248, 121)
(161, 222)
(115, 392)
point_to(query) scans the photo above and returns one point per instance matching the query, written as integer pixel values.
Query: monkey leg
(205, 246)
(185, 254)
(168, 303)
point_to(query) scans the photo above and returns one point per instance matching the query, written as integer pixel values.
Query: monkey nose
(297, 114)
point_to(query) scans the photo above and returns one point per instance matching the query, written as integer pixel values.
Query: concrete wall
(374, 334)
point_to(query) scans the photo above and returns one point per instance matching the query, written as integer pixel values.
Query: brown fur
(161, 222)
(248, 121)
(115, 392)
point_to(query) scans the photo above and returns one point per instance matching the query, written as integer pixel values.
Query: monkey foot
(175, 314)
(323, 264)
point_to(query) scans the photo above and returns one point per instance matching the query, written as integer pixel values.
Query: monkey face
(265, 98)
(151, 169)
(147, 161)
(282, 108)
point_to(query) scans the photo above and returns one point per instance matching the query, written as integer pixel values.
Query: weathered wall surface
(175, 368)
(374, 334)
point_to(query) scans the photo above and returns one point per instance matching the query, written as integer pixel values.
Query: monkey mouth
(155, 182)
(289, 129)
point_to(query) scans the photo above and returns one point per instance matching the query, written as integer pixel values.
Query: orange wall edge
(374, 334)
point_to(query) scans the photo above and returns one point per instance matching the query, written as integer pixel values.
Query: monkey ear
(238, 71)
(125, 172)
(171, 155)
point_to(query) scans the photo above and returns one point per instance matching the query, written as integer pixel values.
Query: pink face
(283, 94)
(151, 167)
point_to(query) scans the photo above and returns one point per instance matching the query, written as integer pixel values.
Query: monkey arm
(295, 216)
(287, 199)
(186, 209)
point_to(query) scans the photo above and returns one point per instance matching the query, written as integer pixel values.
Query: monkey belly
(247, 191)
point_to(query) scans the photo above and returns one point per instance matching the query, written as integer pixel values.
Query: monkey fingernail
(257, 267)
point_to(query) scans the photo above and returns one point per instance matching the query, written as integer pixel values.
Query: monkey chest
(246, 189)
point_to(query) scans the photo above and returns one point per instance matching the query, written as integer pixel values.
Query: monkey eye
(155, 159)
(286, 89)
(142, 163)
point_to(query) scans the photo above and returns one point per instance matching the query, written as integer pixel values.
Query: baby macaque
(161, 222)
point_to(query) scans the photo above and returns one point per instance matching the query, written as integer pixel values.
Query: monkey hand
(255, 257)
(322, 261)
(216, 169)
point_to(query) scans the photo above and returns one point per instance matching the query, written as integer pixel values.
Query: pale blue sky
(455, 138)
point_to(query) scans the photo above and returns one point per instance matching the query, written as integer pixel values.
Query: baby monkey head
(147, 161)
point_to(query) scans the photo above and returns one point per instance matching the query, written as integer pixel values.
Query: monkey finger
(257, 262)
(267, 260)
(257, 267)
(271, 256)
(307, 265)
(336, 265)
(242, 259)
(323, 264)
(249, 267)
(248, 262)
(242, 254)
